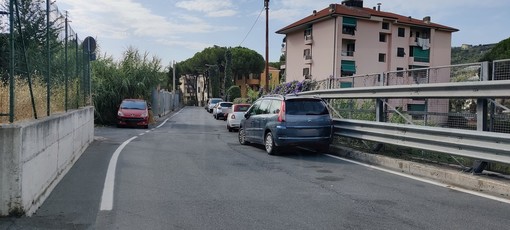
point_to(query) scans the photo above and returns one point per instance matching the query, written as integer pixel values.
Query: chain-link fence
(42, 65)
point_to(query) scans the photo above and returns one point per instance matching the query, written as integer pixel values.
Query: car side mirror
(247, 115)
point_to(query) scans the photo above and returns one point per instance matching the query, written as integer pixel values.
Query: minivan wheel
(242, 136)
(271, 148)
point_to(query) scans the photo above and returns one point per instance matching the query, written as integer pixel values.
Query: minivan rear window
(305, 107)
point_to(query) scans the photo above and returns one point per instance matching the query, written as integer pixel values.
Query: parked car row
(281, 121)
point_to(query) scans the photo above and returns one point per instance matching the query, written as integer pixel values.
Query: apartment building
(348, 39)
(192, 88)
(257, 81)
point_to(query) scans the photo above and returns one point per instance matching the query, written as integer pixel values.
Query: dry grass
(23, 104)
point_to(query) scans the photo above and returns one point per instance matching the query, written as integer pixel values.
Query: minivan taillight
(281, 114)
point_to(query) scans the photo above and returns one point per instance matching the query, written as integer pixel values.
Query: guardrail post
(482, 116)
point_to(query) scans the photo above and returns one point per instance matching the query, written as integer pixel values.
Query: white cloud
(195, 46)
(212, 8)
(128, 18)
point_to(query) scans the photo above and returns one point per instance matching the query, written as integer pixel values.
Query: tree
(228, 69)
(233, 92)
(246, 61)
(30, 37)
(500, 51)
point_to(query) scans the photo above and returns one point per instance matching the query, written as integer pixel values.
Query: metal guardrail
(487, 146)
(479, 144)
(481, 89)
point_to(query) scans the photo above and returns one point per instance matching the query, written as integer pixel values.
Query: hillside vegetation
(470, 54)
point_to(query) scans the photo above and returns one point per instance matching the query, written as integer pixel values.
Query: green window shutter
(347, 21)
(348, 66)
(421, 55)
(416, 107)
(345, 84)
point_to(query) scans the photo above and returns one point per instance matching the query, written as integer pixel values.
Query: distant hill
(469, 53)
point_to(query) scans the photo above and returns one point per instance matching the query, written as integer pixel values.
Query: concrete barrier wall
(35, 156)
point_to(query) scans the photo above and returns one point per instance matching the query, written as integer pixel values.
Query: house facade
(257, 81)
(348, 39)
(193, 89)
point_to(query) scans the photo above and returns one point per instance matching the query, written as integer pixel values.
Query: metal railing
(460, 116)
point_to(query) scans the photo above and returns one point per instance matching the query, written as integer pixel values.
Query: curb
(480, 182)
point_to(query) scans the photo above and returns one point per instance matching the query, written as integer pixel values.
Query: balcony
(347, 53)
(308, 59)
(308, 40)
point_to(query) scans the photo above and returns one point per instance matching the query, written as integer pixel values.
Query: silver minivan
(277, 121)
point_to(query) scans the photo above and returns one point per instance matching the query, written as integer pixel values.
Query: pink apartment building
(347, 39)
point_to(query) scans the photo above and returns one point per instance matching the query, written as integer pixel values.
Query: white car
(211, 103)
(234, 118)
(221, 109)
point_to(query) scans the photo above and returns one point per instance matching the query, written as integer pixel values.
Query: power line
(256, 20)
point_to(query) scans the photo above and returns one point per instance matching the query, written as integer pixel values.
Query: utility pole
(266, 5)
(173, 86)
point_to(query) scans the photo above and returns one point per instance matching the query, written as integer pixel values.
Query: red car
(133, 112)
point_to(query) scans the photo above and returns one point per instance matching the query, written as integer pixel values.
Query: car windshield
(305, 107)
(214, 101)
(141, 105)
(241, 108)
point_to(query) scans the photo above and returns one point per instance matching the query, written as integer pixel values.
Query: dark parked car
(133, 112)
(277, 121)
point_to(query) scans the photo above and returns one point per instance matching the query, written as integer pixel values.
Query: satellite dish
(89, 44)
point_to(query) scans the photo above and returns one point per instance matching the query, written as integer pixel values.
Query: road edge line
(109, 182)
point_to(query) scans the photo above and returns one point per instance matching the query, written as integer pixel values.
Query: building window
(349, 25)
(400, 72)
(308, 33)
(306, 73)
(348, 30)
(385, 25)
(419, 54)
(307, 54)
(382, 57)
(400, 52)
(382, 37)
(348, 68)
(401, 32)
(417, 111)
(351, 47)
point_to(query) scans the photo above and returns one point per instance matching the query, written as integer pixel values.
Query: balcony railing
(348, 53)
(308, 39)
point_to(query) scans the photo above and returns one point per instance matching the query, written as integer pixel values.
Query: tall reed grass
(23, 109)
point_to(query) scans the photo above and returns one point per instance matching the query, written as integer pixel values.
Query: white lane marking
(148, 131)
(163, 123)
(424, 180)
(109, 182)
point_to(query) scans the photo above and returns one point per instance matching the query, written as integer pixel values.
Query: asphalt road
(191, 173)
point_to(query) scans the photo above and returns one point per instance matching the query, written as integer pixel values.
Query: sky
(177, 29)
